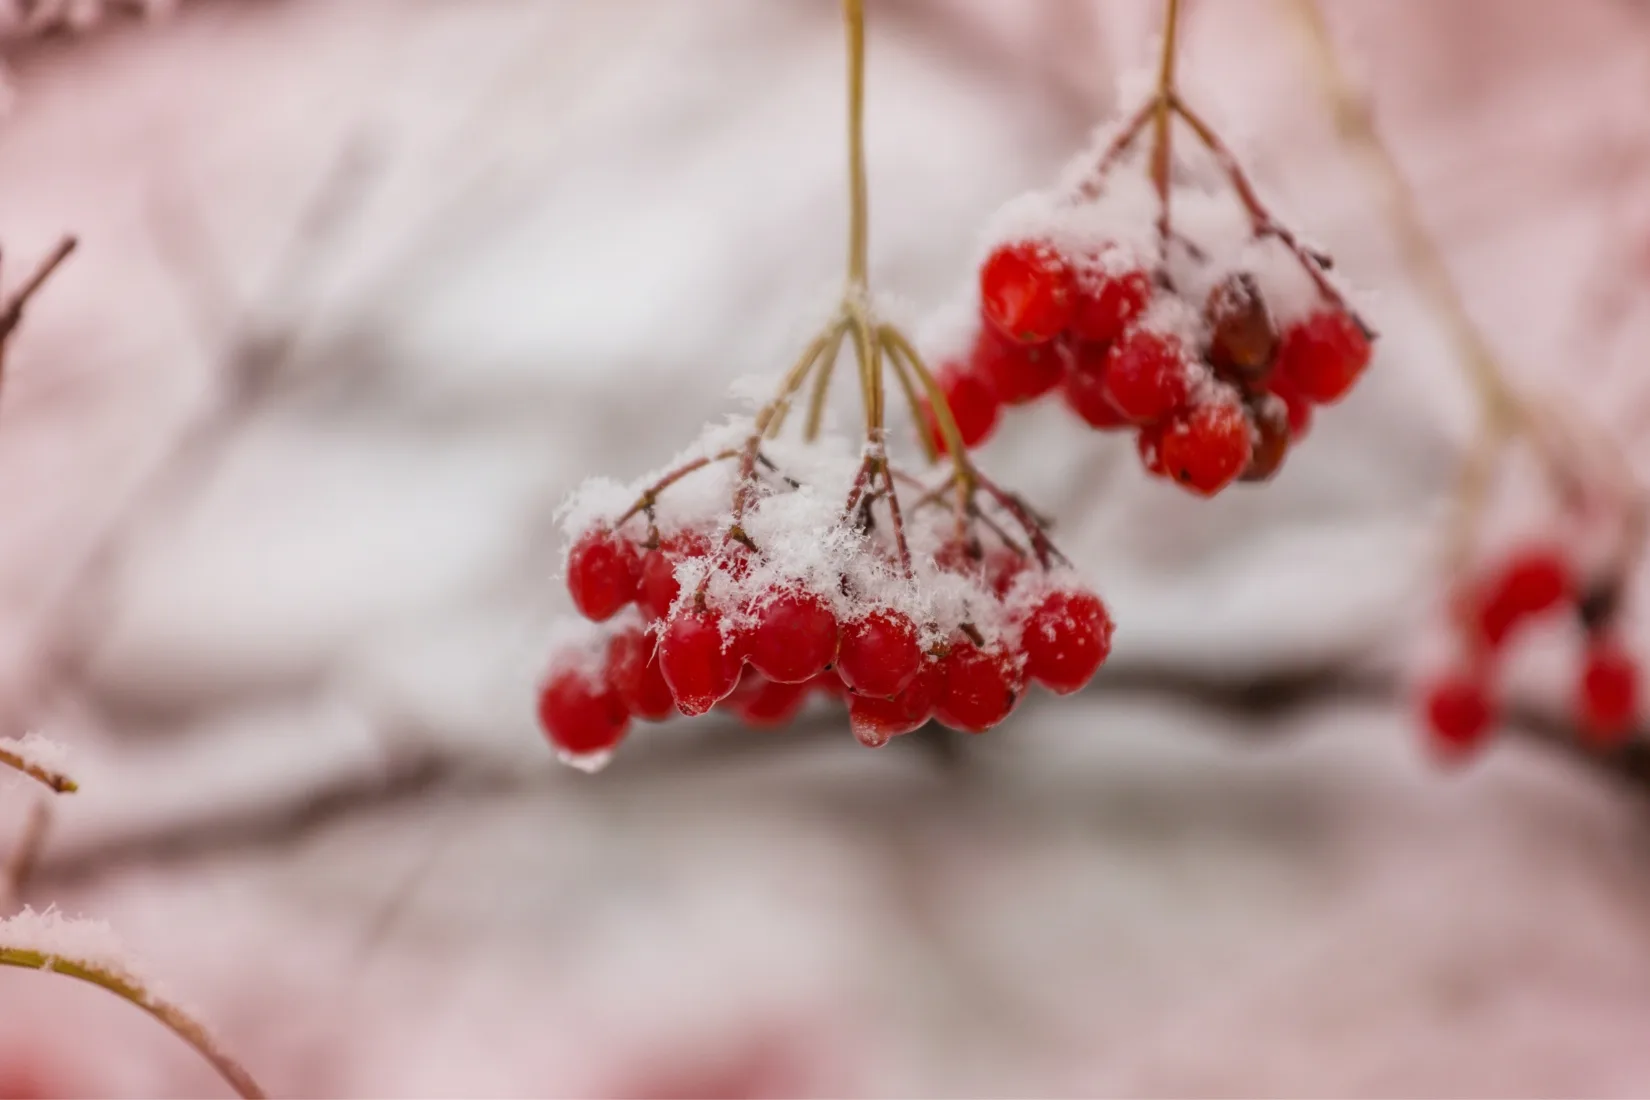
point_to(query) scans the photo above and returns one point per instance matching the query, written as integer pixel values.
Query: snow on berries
(1177, 308)
(756, 578)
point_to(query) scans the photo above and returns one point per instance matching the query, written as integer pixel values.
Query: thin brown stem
(853, 18)
(54, 780)
(822, 386)
(179, 1022)
(1163, 116)
(899, 347)
(1041, 544)
(868, 354)
(1421, 255)
(650, 496)
(925, 439)
(1094, 182)
(1261, 221)
(11, 311)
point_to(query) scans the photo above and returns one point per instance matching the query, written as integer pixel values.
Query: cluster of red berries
(1215, 393)
(1460, 709)
(702, 635)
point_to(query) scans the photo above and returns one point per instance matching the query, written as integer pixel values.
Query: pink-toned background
(315, 801)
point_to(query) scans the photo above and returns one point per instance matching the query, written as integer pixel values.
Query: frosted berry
(698, 662)
(581, 713)
(1609, 692)
(879, 653)
(1458, 714)
(603, 573)
(973, 403)
(1066, 638)
(633, 671)
(764, 704)
(1108, 302)
(1017, 372)
(1323, 355)
(658, 586)
(1242, 341)
(1084, 391)
(1146, 375)
(794, 638)
(1206, 448)
(980, 688)
(1026, 291)
(875, 720)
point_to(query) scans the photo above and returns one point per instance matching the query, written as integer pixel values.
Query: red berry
(1609, 692)
(879, 654)
(1017, 372)
(1066, 639)
(1323, 355)
(1085, 392)
(980, 689)
(1299, 408)
(1107, 302)
(633, 670)
(1206, 448)
(603, 572)
(794, 638)
(658, 587)
(973, 403)
(1459, 716)
(875, 720)
(1147, 375)
(1529, 584)
(580, 713)
(764, 704)
(1026, 291)
(698, 662)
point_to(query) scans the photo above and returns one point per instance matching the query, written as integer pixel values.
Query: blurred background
(365, 288)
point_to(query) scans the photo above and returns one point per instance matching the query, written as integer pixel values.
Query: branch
(23, 756)
(48, 942)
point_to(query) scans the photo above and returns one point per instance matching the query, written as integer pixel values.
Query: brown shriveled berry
(1243, 341)
(1270, 437)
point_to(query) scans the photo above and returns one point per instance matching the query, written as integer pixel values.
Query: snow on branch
(38, 758)
(90, 951)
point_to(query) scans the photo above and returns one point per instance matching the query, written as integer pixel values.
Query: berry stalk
(1162, 131)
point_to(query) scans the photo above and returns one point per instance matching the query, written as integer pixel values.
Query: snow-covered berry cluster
(1210, 336)
(812, 581)
(1490, 610)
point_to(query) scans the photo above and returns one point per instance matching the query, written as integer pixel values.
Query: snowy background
(366, 287)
